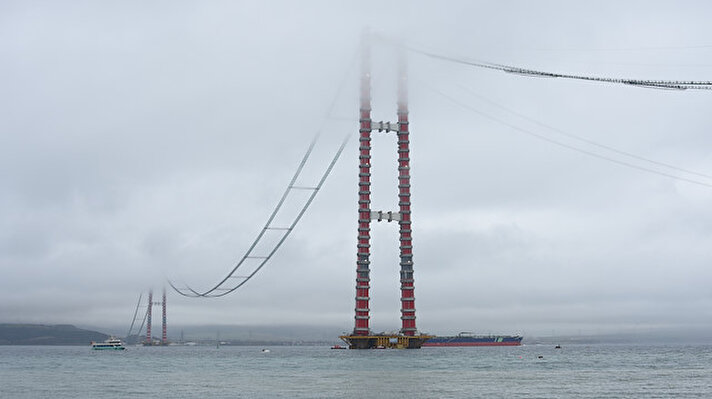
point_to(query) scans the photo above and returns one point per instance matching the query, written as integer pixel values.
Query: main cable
(654, 84)
(226, 285)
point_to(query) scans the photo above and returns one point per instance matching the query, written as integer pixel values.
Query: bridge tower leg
(148, 318)
(406, 244)
(363, 262)
(164, 338)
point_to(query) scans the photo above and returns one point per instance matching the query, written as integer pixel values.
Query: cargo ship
(469, 339)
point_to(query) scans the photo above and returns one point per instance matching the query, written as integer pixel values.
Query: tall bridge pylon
(164, 336)
(148, 321)
(362, 338)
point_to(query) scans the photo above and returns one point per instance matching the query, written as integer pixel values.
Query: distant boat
(338, 347)
(110, 344)
(469, 339)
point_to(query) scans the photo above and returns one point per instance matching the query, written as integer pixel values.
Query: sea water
(530, 371)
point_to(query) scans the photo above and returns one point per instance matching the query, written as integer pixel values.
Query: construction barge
(385, 341)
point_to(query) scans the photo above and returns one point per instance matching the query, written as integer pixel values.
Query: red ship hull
(472, 344)
(475, 340)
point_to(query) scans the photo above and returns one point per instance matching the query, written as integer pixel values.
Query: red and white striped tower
(148, 317)
(366, 127)
(406, 244)
(164, 338)
(364, 197)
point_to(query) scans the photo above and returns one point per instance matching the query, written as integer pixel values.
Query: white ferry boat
(111, 343)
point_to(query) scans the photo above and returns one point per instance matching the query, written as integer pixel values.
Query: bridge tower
(362, 338)
(149, 319)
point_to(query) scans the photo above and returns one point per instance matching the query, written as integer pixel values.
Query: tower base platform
(385, 341)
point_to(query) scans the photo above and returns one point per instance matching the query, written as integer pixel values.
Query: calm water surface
(576, 371)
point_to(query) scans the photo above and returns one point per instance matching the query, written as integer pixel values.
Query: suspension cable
(653, 84)
(133, 321)
(582, 139)
(232, 281)
(227, 285)
(561, 144)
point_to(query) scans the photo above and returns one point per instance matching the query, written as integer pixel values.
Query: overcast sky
(144, 140)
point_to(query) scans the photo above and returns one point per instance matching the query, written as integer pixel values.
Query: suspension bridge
(408, 335)
(146, 319)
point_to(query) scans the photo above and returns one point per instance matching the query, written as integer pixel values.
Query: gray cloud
(139, 141)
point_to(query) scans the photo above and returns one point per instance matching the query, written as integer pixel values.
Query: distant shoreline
(67, 334)
(44, 334)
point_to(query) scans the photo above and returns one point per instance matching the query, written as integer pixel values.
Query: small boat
(111, 343)
(338, 347)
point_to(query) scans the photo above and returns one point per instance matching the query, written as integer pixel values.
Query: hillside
(38, 334)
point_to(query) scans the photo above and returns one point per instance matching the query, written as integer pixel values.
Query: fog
(141, 142)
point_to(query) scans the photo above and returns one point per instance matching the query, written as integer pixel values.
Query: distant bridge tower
(362, 338)
(149, 318)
